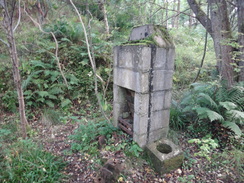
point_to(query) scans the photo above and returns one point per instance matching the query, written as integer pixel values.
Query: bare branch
(162, 7)
(56, 45)
(92, 61)
(18, 18)
(201, 16)
(4, 42)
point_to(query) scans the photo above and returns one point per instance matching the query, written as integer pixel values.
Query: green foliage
(206, 145)
(24, 161)
(9, 101)
(86, 139)
(133, 150)
(177, 117)
(212, 104)
(189, 50)
(85, 136)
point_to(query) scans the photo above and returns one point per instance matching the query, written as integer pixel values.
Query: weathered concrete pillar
(145, 65)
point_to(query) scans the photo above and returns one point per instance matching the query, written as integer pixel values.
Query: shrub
(214, 108)
(25, 162)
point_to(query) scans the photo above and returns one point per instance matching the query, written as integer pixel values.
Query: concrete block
(141, 32)
(158, 100)
(140, 139)
(167, 99)
(140, 124)
(170, 59)
(157, 134)
(164, 155)
(115, 55)
(125, 57)
(160, 59)
(168, 80)
(132, 80)
(159, 119)
(141, 103)
(166, 116)
(162, 80)
(145, 59)
(117, 111)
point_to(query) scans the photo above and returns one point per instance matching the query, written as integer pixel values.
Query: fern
(204, 112)
(30, 78)
(205, 98)
(228, 105)
(233, 126)
(236, 115)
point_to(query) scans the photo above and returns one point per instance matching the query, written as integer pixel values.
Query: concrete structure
(164, 155)
(145, 67)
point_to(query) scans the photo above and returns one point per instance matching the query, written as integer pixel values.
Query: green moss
(159, 31)
(147, 41)
(163, 32)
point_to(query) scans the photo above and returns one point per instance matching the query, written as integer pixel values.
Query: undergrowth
(93, 137)
(25, 162)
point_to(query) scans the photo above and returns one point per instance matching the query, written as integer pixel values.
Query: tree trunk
(178, 15)
(221, 37)
(190, 19)
(9, 29)
(240, 15)
(219, 29)
(174, 16)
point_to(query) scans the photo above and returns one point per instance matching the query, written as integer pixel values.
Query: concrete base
(164, 155)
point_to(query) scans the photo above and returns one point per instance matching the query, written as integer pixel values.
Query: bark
(178, 15)
(219, 29)
(221, 36)
(201, 16)
(9, 30)
(240, 16)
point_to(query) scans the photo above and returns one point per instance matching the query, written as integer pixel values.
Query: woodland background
(56, 70)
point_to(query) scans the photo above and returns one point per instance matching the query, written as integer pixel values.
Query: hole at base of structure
(164, 148)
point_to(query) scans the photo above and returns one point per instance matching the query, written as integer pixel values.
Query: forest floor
(84, 168)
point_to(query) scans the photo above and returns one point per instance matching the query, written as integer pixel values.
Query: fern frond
(228, 105)
(232, 126)
(204, 112)
(28, 80)
(55, 90)
(236, 115)
(205, 98)
(38, 63)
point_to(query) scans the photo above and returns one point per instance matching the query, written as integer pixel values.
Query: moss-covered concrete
(157, 35)
(164, 162)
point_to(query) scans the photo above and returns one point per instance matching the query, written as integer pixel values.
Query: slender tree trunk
(240, 15)
(9, 29)
(174, 17)
(190, 19)
(166, 13)
(104, 10)
(178, 15)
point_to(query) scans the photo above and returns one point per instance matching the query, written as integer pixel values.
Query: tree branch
(92, 61)
(201, 16)
(4, 42)
(56, 45)
(18, 18)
